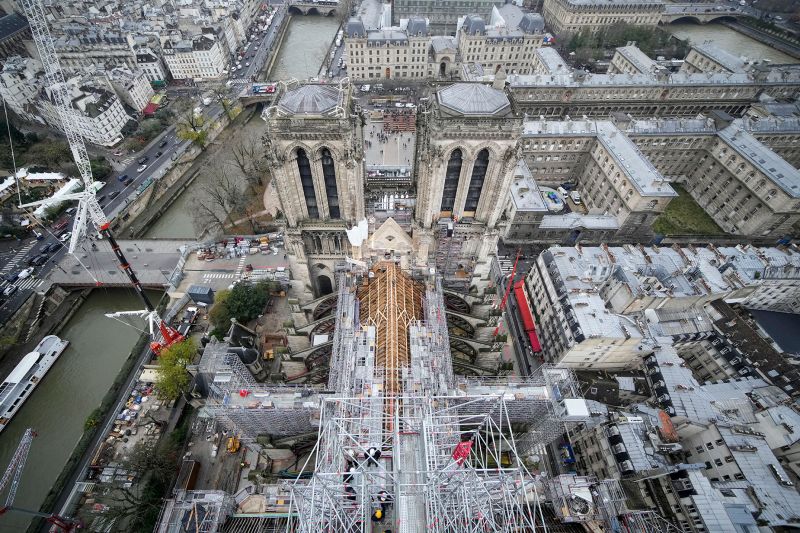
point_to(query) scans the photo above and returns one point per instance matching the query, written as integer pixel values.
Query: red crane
(508, 291)
(11, 479)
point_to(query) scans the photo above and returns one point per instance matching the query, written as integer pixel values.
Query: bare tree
(248, 156)
(343, 10)
(193, 127)
(218, 200)
(221, 95)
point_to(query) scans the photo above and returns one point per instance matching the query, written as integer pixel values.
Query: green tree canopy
(171, 375)
(244, 303)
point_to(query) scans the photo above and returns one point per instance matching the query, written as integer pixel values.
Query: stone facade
(572, 16)
(314, 144)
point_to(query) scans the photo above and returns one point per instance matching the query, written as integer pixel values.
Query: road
(160, 153)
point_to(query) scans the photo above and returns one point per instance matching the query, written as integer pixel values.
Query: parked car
(128, 181)
(163, 143)
(159, 154)
(11, 277)
(576, 197)
(113, 195)
(122, 177)
(11, 289)
(101, 198)
(65, 237)
(142, 160)
(141, 168)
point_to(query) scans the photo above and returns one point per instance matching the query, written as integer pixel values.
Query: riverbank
(95, 429)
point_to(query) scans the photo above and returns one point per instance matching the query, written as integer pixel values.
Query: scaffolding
(195, 511)
(402, 440)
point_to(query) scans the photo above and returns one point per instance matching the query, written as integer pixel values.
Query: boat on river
(27, 375)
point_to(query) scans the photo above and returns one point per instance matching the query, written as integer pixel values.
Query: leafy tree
(220, 316)
(171, 376)
(101, 168)
(193, 127)
(247, 301)
(93, 420)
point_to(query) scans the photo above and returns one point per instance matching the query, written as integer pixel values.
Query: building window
(304, 167)
(329, 173)
(451, 180)
(476, 182)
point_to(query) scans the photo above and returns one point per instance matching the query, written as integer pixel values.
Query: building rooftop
(579, 221)
(311, 99)
(638, 58)
(11, 25)
(725, 59)
(641, 172)
(551, 60)
(524, 191)
(609, 3)
(442, 43)
(768, 162)
(473, 99)
(644, 176)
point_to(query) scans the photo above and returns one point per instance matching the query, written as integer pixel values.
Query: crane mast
(11, 479)
(88, 206)
(89, 209)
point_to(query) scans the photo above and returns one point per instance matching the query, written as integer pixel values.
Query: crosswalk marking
(219, 275)
(240, 268)
(19, 255)
(29, 283)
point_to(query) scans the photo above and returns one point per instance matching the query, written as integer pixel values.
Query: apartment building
(572, 16)
(442, 16)
(497, 46)
(99, 115)
(388, 53)
(590, 301)
(88, 48)
(201, 57)
(132, 86)
(18, 86)
(150, 63)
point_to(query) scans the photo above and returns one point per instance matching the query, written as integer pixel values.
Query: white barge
(19, 384)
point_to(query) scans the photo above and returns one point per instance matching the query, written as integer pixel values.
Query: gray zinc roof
(474, 25)
(532, 23)
(310, 100)
(473, 99)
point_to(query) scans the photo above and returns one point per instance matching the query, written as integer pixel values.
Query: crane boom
(89, 209)
(15, 466)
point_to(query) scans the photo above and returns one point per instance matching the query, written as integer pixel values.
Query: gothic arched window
(451, 180)
(329, 173)
(476, 182)
(304, 167)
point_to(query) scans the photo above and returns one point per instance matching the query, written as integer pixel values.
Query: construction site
(395, 440)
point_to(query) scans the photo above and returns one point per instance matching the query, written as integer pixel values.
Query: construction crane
(89, 210)
(11, 479)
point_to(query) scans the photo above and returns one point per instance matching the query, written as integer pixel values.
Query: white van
(576, 197)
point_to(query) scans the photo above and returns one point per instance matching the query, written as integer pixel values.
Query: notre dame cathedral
(442, 208)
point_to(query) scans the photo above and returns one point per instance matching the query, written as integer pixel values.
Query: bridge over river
(154, 261)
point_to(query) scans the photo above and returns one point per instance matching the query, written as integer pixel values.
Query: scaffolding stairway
(449, 242)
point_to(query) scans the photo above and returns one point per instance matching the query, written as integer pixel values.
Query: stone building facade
(314, 143)
(467, 149)
(572, 16)
(388, 53)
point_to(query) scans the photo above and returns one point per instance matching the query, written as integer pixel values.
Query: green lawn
(684, 217)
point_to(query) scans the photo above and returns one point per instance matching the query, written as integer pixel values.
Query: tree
(51, 154)
(219, 315)
(101, 168)
(136, 507)
(220, 198)
(171, 376)
(221, 95)
(193, 127)
(246, 301)
(248, 156)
